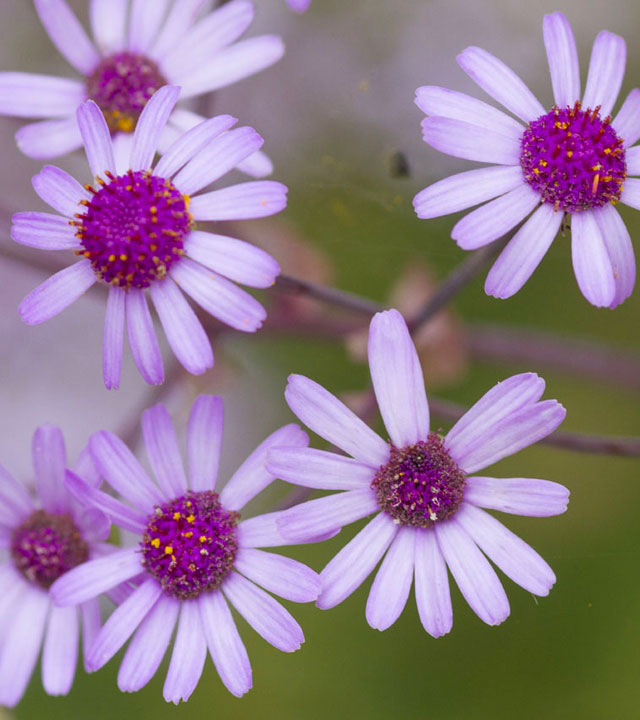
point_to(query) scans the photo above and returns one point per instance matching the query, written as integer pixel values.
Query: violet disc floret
(136, 231)
(573, 162)
(193, 556)
(420, 488)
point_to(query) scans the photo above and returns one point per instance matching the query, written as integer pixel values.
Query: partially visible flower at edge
(137, 50)
(571, 161)
(44, 539)
(135, 230)
(194, 556)
(422, 489)
(299, 5)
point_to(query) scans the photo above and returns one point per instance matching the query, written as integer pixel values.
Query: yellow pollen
(168, 550)
(569, 153)
(123, 256)
(156, 542)
(187, 534)
(112, 258)
(203, 538)
(153, 209)
(176, 516)
(607, 151)
(544, 163)
(191, 518)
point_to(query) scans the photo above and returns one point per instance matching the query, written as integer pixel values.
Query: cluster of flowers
(134, 228)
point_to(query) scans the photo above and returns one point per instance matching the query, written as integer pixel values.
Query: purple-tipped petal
(472, 572)
(524, 252)
(108, 22)
(518, 496)
(60, 651)
(234, 63)
(34, 96)
(43, 231)
(150, 125)
(21, 644)
(237, 260)
(332, 420)
(178, 21)
(562, 55)
(433, 596)
(49, 138)
(145, 20)
(355, 562)
(505, 398)
(244, 201)
(67, 34)
(59, 190)
(188, 656)
(218, 296)
(397, 379)
(162, 450)
(142, 337)
(190, 143)
(15, 502)
(464, 140)
(204, 440)
(591, 261)
(500, 82)
(618, 244)
(184, 332)
(149, 645)
(606, 70)
(225, 646)
(253, 476)
(316, 517)
(94, 577)
(121, 514)
(123, 622)
(265, 615)
(392, 584)
(493, 220)
(113, 339)
(280, 575)
(442, 102)
(49, 463)
(511, 554)
(57, 293)
(217, 158)
(119, 466)
(96, 139)
(465, 190)
(627, 122)
(318, 469)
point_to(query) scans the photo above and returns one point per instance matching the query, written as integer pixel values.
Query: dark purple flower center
(574, 159)
(134, 228)
(121, 85)
(47, 546)
(190, 544)
(421, 484)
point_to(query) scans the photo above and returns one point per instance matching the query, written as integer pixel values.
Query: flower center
(574, 159)
(421, 484)
(121, 85)
(47, 546)
(133, 228)
(190, 544)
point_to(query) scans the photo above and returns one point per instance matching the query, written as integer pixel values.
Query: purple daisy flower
(193, 557)
(44, 539)
(573, 160)
(137, 49)
(135, 230)
(422, 488)
(299, 6)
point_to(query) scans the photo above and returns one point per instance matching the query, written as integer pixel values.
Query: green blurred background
(334, 113)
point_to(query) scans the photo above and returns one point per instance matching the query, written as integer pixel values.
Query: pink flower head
(195, 555)
(135, 231)
(572, 161)
(421, 488)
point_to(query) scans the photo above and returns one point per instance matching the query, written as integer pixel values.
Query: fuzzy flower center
(421, 484)
(190, 544)
(121, 85)
(133, 228)
(47, 546)
(574, 159)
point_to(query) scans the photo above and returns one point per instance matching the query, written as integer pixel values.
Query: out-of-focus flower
(573, 160)
(45, 538)
(138, 48)
(422, 488)
(135, 230)
(299, 5)
(194, 556)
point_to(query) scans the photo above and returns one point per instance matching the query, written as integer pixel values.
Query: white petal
(60, 652)
(204, 439)
(281, 575)
(563, 59)
(108, 19)
(606, 70)
(318, 469)
(188, 656)
(591, 262)
(433, 597)
(162, 450)
(520, 496)
(627, 122)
